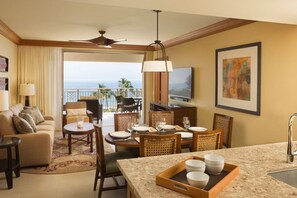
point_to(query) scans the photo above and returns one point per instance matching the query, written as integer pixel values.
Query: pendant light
(161, 65)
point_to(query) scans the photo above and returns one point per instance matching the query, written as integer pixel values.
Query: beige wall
(278, 83)
(9, 49)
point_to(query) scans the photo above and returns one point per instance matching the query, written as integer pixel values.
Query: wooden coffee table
(87, 129)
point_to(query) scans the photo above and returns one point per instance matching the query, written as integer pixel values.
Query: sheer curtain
(42, 66)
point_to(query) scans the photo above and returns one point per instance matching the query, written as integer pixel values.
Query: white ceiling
(64, 20)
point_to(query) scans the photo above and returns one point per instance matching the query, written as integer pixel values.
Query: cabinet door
(161, 87)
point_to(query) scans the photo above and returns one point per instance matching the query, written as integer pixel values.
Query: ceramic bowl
(201, 169)
(197, 179)
(213, 159)
(195, 164)
(214, 169)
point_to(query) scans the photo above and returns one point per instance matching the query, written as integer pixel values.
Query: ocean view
(94, 84)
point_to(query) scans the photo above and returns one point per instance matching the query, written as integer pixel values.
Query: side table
(9, 164)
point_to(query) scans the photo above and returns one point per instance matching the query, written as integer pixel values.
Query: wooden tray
(175, 179)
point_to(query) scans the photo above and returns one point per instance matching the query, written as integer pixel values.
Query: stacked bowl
(195, 165)
(196, 176)
(214, 163)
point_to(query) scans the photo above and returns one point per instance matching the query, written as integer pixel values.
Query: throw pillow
(21, 125)
(35, 113)
(29, 119)
(74, 112)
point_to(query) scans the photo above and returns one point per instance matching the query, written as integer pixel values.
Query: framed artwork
(238, 78)
(4, 84)
(3, 64)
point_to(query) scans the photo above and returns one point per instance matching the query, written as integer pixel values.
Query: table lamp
(27, 90)
(4, 101)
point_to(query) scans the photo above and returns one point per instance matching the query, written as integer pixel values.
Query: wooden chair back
(224, 122)
(156, 116)
(121, 120)
(154, 145)
(209, 140)
(100, 157)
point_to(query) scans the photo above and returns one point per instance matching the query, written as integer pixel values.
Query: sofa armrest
(35, 149)
(47, 117)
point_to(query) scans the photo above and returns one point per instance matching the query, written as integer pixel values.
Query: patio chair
(94, 106)
(106, 164)
(224, 122)
(119, 102)
(129, 104)
(209, 140)
(155, 145)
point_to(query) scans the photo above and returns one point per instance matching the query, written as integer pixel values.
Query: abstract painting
(238, 78)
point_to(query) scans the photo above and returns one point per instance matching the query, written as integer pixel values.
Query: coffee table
(72, 130)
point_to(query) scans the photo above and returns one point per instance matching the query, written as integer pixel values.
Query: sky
(103, 71)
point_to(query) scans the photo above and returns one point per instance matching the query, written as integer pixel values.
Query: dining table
(133, 140)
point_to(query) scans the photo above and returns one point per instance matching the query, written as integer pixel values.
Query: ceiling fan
(102, 41)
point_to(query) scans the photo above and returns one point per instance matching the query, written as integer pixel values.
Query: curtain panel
(43, 66)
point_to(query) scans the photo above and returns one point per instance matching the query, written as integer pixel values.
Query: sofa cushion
(29, 119)
(35, 113)
(43, 127)
(16, 109)
(48, 122)
(6, 123)
(21, 125)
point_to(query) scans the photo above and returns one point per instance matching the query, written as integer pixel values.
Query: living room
(278, 69)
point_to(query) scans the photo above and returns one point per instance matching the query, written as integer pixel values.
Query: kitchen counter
(252, 181)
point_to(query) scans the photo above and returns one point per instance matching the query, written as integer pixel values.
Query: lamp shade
(156, 66)
(4, 101)
(27, 90)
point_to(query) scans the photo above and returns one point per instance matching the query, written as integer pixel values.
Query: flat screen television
(181, 83)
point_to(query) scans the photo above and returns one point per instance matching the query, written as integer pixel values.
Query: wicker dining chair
(156, 116)
(209, 140)
(121, 120)
(154, 145)
(224, 122)
(106, 163)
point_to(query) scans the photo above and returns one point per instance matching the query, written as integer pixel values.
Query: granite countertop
(252, 181)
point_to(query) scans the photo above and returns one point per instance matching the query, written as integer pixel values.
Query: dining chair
(106, 164)
(121, 120)
(209, 140)
(224, 122)
(155, 145)
(156, 116)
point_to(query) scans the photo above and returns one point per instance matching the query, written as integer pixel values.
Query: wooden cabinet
(179, 112)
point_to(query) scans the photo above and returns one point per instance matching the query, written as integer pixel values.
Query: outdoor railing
(106, 96)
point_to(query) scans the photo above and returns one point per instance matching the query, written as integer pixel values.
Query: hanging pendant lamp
(161, 65)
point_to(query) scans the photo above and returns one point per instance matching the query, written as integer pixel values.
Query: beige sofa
(35, 148)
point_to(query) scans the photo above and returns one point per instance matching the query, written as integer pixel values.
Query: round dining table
(131, 142)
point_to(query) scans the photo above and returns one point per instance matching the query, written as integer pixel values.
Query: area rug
(81, 158)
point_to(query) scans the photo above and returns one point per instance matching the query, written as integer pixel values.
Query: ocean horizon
(94, 84)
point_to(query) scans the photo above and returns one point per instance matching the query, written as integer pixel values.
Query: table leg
(91, 149)
(8, 172)
(17, 160)
(69, 143)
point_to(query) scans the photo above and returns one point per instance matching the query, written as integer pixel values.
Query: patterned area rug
(81, 158)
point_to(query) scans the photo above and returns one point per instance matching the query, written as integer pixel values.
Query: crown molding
(69, 44)
(206, 31)
(8, 33)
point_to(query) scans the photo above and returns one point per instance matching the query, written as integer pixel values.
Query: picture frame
(238, 78)
(4, 84)
(3, 64)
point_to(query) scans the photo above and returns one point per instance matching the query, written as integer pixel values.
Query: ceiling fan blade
(111, 41)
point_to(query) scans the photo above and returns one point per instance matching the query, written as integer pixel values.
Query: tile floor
(72, 185)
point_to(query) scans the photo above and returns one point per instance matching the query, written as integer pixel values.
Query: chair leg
(100, 187)
(96, 179)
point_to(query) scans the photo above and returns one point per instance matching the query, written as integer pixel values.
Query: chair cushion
(29, 119)
(111, 160)
(35, 113)
(74, 112)
(21, 125)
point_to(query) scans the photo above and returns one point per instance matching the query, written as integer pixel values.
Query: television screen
(180, 82)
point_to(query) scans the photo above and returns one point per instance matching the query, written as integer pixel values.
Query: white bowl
(197, 179)
(213, 159)
(214, 169)
(201, 169)
(194, 164)
(199, 129)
